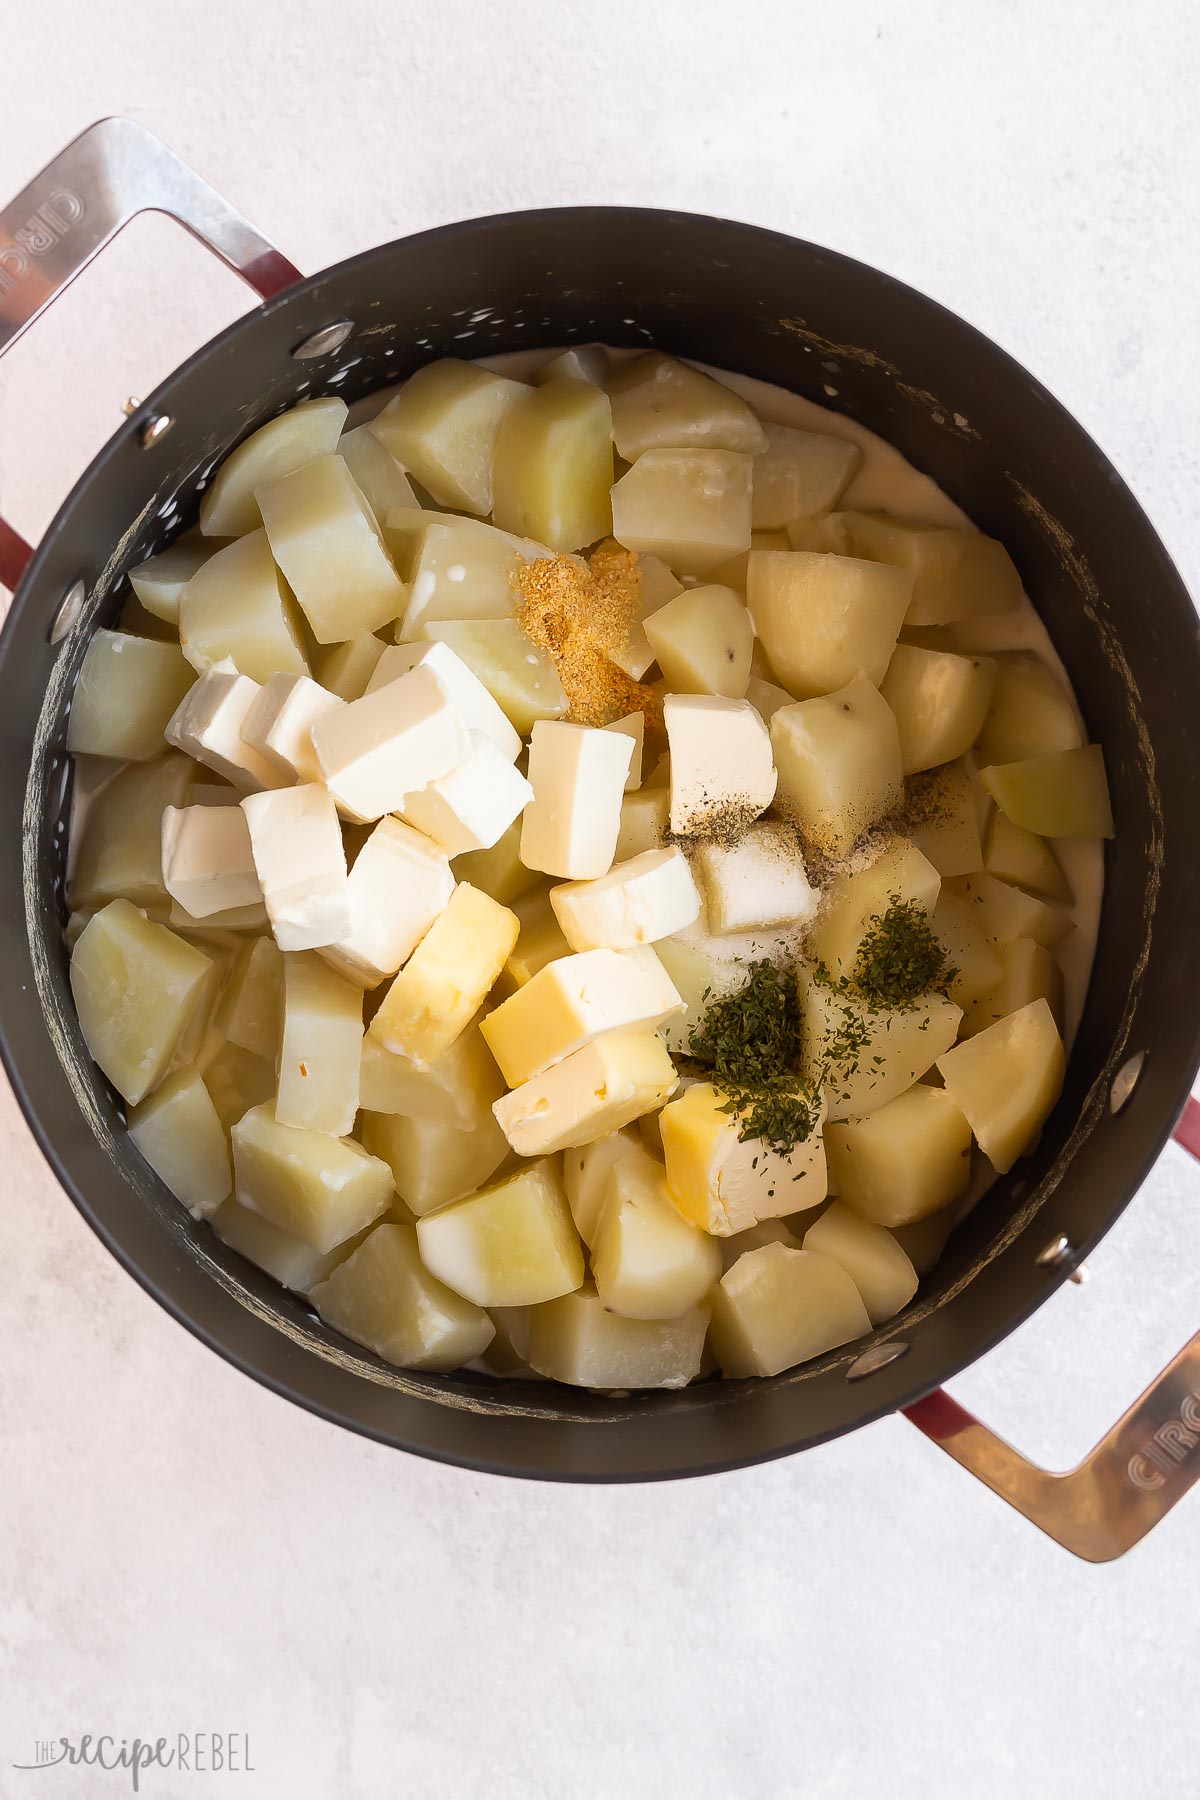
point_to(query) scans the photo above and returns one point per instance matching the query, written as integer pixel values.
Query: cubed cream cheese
(607, 1084)
(757, 882)
(464, 687)
(207, 724)
(444, 982)
(637, 902)
(207, 863)
(722, 772)
(301, 865)
(375, 751)
(280, 721)
(578, 778)
(399, 884)
(571, 1001)
(473, 806)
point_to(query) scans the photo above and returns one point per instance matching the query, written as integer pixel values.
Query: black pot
(768, 306)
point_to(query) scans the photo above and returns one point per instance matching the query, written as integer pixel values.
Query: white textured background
(179, 1550)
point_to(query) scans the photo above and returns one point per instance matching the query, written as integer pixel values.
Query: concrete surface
(183, 1552)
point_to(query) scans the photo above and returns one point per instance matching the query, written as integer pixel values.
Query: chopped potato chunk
(553, 466)
(432, 1162)
(585, 1177)
(1027, 971)
(498, 871)
(229, 507)
(287, 1259)
(177, 1130)
(443, 425)
(852, 903)
(324, 537)
(511, 1244)
(1031, 712)
(518, 674)
(119, 854)
(825, 620)
(458, 1089)
(1061, 795)
(689, 507)
(127, 690)
(251, 1008)
(238, 1080)
(540, 940)
(942, 818)
(577, 1340)
(237, 606)
(159, 582)
(381, 479)
(382, 1296)
(800, 473)
(135, 986)
(870, 1256)
(648, 1260)
(838, 759)
(956, 574)
(778, 1307)
(661, 404)
(455, 569)
(582, 362)
(894, 1049)
(1020, 857)
(702, 641)
(346, 670)
(1006, 912)
(643, 822)
(969, 951)
(318, 1187)
(940, 702)
(1007, 1080)
(321, 1047)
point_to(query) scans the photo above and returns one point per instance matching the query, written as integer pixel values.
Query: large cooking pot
(957, 407)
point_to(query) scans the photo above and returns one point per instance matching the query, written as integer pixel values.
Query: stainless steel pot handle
(113, 171)
(1134, 1476)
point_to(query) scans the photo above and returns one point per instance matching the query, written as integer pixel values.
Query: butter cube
(391, 743)
(382, 1296)
(722, 773)
(321, 1047)
(607, 1084)
(301, 865)
(433, 1163)
(648, 1260)
(571, 1001)
(511, 1244)
(457, 1090)
(724, 1183)
(399, 884)
(207, 862)
(280, 721)
(637, 902)
(320, 1188)
(445, 981)
(578, 778)
(325, 539)
(208, 722)
(467, 692)
(473, 806)
(756, 883)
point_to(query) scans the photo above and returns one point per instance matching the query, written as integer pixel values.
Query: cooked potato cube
(870, 1256)
(577, 1340)
(238, 1080)
(637, 902)
(455, 569)
(699, 975)
(159, 582)
(1007, 1080)
(766, 698)
(643, 821)
(250, 1012)
(135, 986)
(1025, 860)
(942, 818)
(119, 854)
(1027, 972)
(633, 725)
(689, 507)
(229, 507)
(237, 606)
(661, 404)
(518, 674)
(767, 1231)
(838, 758)
(649, 1262)
(508, 1352)
(432, 1162)
(778, 1307)
(582, 362)
(541, 939)
(969, 951)
(511, 1244)
(655, 586)
(825, 620)
(800, 473)
(940, 702)
(381, 479)
(893, 1048)
(553, 466)
(321, 1047)
(444, 982)
(127, 690)
(702, 641)
(1061, 795)
(852, 903)
(824, 532)
(956, 574)
(177, 1130)
(382, 1296)
(585, 1178)
(320, 1188)
(499, 870)
(1006, 912)
(286, 1259)
(443, 426)
(725, 1183)
(1031, 712)
(208, 869)
(607, 1084)
(324, 537)
(346, 670)
(924, 1240)
(457, 1090)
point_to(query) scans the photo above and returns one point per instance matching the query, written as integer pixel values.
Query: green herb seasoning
(750, 1042)
(899, 961)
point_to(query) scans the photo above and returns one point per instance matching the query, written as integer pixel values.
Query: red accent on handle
(270, 274)
(939, 1416)
(14, 555)
(1187, 1130)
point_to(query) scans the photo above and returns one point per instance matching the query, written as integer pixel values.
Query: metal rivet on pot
(69, 609)
(320, 343)
(1125, 1081)
(155, 430)
(131, 406)
(876, 1358)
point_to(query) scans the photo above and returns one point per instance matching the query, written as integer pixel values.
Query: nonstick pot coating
(958, 408)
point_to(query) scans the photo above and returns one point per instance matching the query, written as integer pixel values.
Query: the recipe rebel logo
(186, 1753)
